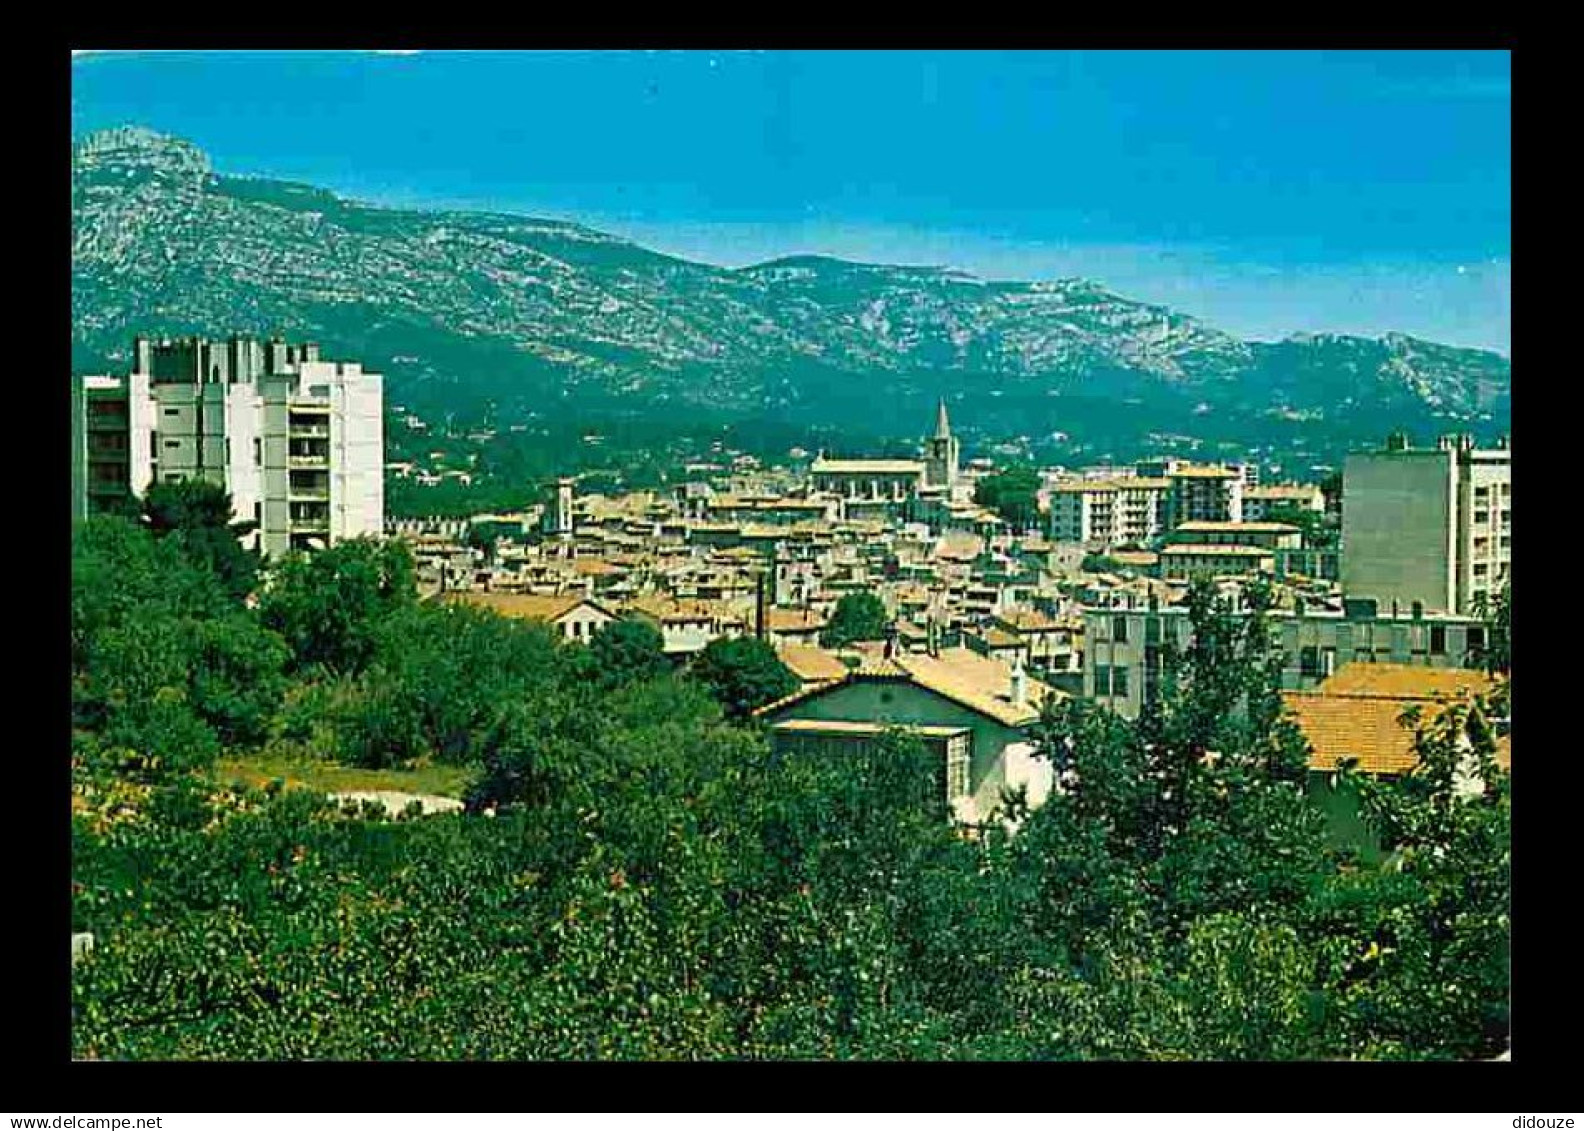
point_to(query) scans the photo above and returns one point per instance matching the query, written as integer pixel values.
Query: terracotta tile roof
(810, 663)
(526, 606)
(594, 567)
(1134, 557)
(977, 682)
(1000, 638)
(791, 620)
(1365, 727)
(1356, 712)
(867, 467)
(1404, 681)
(1027, 620)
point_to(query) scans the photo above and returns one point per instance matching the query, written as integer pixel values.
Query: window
(1102, 680)
(173, 412)
(173, 443)
(1438, 640)
(956, 767)
(1119, 629)
(1119, 681)
(1476, 639)
(1309, 660)
(258, 452)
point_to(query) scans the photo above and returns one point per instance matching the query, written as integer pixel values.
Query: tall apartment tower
(942, 452)
(296, 440)
(1427, 526)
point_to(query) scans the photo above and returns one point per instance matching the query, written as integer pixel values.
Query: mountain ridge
(537, 315)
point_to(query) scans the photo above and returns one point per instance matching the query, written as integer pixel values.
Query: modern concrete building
(296, 440)
(1124, 647)
(1105, 512)
(1199, 493)
(101, 455)
(1427, 526)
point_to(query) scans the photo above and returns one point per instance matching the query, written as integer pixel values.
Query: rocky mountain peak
(136, 148)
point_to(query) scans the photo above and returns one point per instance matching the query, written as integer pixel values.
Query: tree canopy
(1013, 494)
(196, 516)
(859, 615)
(743, 673)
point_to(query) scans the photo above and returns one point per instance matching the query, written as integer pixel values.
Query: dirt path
(396, 802)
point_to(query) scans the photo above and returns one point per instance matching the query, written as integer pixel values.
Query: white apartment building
(296, 440)
(1427, 525)
(1259, 501)
(1106, 512)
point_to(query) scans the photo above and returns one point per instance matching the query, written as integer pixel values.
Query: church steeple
(942, 425)
(940, 464)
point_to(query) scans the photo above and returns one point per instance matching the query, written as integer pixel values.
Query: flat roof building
(297, 441)
(1427, 525)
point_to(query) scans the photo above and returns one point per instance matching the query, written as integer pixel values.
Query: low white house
(974, 711)
(576, 617)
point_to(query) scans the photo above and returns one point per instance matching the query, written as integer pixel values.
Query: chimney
(1019, 689)
(760, 613)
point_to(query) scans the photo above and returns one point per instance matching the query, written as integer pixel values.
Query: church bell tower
(940, 463)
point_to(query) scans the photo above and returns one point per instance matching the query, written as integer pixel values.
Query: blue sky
(1266, 192)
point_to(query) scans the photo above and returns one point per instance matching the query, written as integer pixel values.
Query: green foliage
(628, 651)
(743, 673)
(196, 516)
(1434, 979)
(1013, 494)
(163, 657)
(1319, 532)
(1497, 615)
(438, 679)
(638, 877)
(328, 606)
(859, 615)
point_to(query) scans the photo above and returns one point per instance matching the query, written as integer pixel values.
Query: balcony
(315, 431)
(308, 494)
(309, 461)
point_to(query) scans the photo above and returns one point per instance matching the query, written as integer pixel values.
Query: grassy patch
(329, 777)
